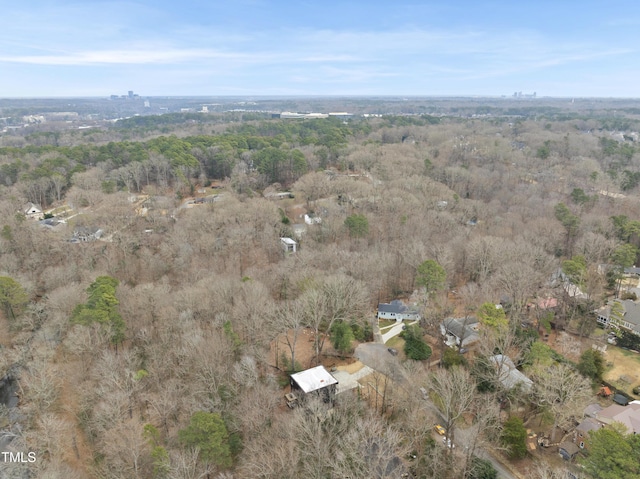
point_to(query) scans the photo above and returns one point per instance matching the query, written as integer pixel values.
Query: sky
(561, 48)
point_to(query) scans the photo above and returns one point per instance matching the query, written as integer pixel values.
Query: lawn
(385, 323)
(621, 362)
(396, 342)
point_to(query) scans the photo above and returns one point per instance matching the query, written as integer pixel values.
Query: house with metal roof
(508, 374)
(317, 381)
(289, 245)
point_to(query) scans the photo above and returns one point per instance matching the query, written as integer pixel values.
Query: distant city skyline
(331, 48)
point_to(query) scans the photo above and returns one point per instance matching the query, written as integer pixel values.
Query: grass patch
(385, 323)
(629, 354)
(621, 362)
(396, 342)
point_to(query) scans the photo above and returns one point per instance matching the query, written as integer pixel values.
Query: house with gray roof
(83, 234)
(628, 415)
(632, 271)
(397, 311)
(630, 316)
(461, 332)
(508, 374)
(568, 450)
(581, 435)
(592, 410)
(559, 278)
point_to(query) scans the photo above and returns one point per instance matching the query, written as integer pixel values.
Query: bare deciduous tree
(453, 393)
(561, 390)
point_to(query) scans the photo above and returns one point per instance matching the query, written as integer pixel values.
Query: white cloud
(124, 57)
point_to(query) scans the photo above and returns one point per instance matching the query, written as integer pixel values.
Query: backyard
(623, 368)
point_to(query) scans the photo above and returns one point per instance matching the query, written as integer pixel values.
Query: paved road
(377, 357)
(503, 473)
(465, 436)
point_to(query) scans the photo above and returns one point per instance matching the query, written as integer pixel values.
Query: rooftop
(462, 328)
(508, 375)
(314, 379)
(395, 306)
(628, 415)
(588, 424)
(631, 312)
(592, 410)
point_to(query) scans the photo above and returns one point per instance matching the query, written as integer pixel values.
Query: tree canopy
(613, 454)
(591, 364)
(341, 337)
(493, 316)
(101, 308)
(431, 276)
(514, 436)
(208, 433)
(13, 297)
(358, 225)
(415, 347)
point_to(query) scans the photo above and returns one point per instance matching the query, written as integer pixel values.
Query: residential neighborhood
(441, 292)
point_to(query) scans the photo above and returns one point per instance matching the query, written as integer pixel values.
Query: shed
(289, 245)
(605, 391)
(568, 450)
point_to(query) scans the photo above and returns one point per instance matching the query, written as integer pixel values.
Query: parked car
(439, 429)
(393, 351)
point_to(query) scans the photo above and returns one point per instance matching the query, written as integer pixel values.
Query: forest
(162, 346)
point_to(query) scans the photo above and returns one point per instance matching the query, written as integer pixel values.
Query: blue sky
(258, 47)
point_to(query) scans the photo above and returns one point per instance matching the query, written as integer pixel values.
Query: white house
(315, 380)
(397, 311)
(33, 211)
